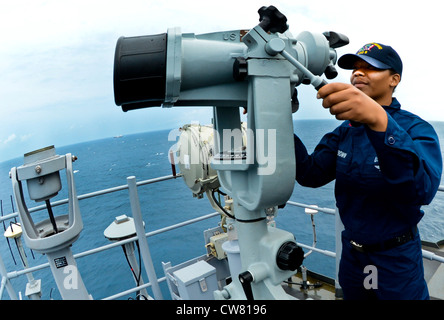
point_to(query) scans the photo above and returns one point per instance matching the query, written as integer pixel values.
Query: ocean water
(108, 162)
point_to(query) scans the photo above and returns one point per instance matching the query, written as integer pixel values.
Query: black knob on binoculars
(240, 69)
(289, 256)
(331, 72)
(336, 40)
(272, 20)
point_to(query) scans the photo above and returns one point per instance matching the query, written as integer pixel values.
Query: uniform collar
(395, 104)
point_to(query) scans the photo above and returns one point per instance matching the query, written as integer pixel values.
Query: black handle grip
(272, 20)
(323, 83)
(246, 278)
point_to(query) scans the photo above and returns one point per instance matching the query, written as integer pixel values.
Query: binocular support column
(265, 179)
(259, 245)
(67, 277)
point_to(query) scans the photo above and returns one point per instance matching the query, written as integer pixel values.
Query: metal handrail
(13, 274)
(91, 195)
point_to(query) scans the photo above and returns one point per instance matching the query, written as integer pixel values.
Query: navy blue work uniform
(382, 179)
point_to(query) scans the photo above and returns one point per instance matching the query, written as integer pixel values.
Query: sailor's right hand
(346, 102)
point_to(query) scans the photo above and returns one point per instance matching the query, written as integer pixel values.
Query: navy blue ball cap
(378, 55)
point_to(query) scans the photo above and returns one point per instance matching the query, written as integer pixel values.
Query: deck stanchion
(143, 243)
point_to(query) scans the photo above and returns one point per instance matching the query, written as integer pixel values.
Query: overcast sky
(56, 59)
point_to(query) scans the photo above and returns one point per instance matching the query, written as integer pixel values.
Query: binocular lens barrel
(140, 71)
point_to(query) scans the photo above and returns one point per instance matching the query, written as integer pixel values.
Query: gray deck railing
(141, 236)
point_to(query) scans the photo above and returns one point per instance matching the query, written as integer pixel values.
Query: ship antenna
(22, 257)
(12, 205)
(4, 229)
(15, 222)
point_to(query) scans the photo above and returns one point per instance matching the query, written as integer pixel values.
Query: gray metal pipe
(143, 243)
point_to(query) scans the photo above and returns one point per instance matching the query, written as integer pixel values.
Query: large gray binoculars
(258, 69)
(209, 69)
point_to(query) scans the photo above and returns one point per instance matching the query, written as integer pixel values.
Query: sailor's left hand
(347, 102)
